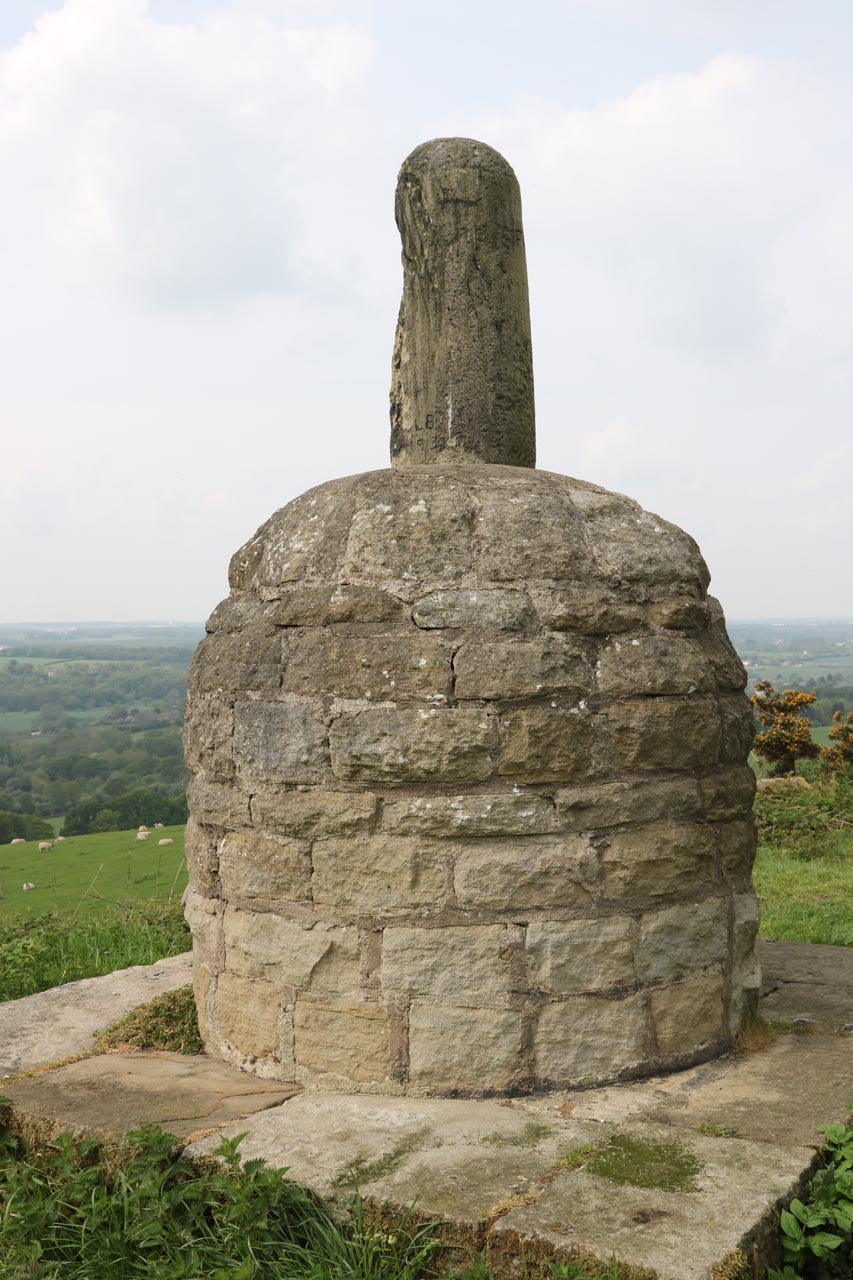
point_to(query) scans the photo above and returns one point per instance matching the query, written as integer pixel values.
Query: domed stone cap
(470, 802)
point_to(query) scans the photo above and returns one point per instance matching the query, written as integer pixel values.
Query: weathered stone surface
(208, 731)
(413, 530)
(487, 608)
(378, 874)
(728, 793)
(252, 866)
(458, 1047)
(660, 859)
(544, 744)
(201, 849)
(217, 804)
(462, 380)
(689, 1014)
(652, 664)
(586, 610)
(745, 917)
(245, 661)
(590, 806)
(505, 813)
(680, 939)
(328, 603)
(247, 1011)
(569, 957)
(459, 964)
(664, 733)
(237, 611)
(284, 739)
(635, 545)
(729, 671)
(381, 667)
(501, 669)
(737, 843)
(530, 540)
(314, 812)
(318, 956)
(511, 877)
(587, 1037)
(738, 728)
(305, 539)
(382, 744)
(680, 613)
(344, 1037)
(204, 917)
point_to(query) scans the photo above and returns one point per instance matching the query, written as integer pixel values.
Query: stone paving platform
(672, 1174)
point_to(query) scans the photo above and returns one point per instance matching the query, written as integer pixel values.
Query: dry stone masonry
(471, 811)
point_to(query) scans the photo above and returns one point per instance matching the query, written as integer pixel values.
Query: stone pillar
(462, 372)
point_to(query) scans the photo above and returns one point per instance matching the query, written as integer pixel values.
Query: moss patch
(360, 1171)
(578, 1156)
(168, 1022)
(630, 1161)
(532, 1133)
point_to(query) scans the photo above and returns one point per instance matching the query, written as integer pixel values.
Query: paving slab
(112, 1093)
(808, 984)
(57, 1023)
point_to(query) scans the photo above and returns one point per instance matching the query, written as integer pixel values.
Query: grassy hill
(90, 874)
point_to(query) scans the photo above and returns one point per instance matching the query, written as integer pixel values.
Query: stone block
(591, 806)
(252, 866)
(290, 952)
(497, 814)
(746, 915)
(637, 546)
(545, 744)
(505, 669)
(532, 535)
(314, 812)
(201, 851)
(208, 731)
(204, 917)
(587, 611)
(412, 533)
(688, 1015)
(379, 875)
(570, 957)
(218, 804)
(245, 661)
(586, 1038)
(533, 873)
(652, 665)
(664, 733)
(468, 963)
(236, 612)
(680, 613)
(728, 793)
(737, 842)
(247, 1011)
(488, 608)
(738, 727)
(660, 859)
(306, 538)
(330, 603)
(683, 938)
(459, 1048)
(386, 745)
(285, 740)
(729, 672)
(391, 667)
(346, 1037)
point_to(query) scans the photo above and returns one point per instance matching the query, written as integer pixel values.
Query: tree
(786, 736)
(838, 757)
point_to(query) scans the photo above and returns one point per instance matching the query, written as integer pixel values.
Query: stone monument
(471, 809)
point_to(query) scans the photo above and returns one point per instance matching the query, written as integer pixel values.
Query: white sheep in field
(18, 840)
(27, 885)
(168, 840)
(157, 826)
(142, 835)
(59, 840)
(44, 845)
(142, 828)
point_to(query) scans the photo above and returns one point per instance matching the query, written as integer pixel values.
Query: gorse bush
(786, 736)
(48, 951)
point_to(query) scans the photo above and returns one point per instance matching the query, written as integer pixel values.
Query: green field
(91, 873)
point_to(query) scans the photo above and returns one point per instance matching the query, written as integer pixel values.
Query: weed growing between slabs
(168, 1022)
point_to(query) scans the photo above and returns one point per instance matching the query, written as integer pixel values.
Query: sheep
(18, 840)
(168, 840)
(27, 885)
(157, 826)
(59, 840)
(44, 845)
(142, 835)
(142, 828)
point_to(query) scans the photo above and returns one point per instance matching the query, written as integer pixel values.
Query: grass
(88, 875)
(167, 1022)
(47, 952)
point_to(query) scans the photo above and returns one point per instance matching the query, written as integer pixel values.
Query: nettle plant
(817, 1237)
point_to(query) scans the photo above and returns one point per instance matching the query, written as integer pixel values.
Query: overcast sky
(200, 272)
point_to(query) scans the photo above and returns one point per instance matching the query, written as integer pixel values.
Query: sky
(201, 272)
